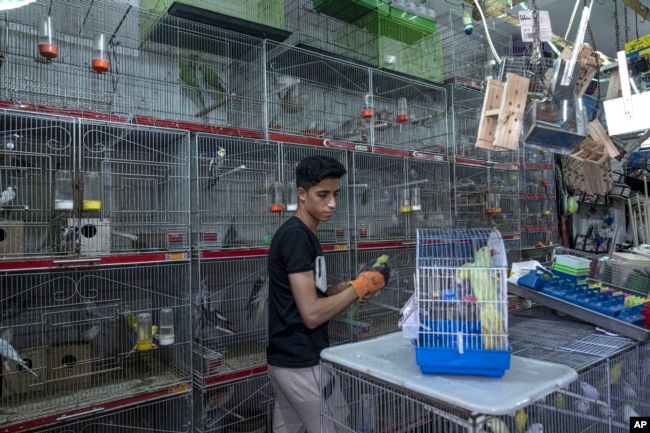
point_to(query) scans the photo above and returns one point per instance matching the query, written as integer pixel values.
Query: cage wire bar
(169, 415)
(76, 328)
(240, 405)
(334, 231)
(229, 314)
(34, 147)
(461, 302)
(234, 184)
(156, 61)
(312, 94)
(422, 126)
(145, 181)
(382, 312)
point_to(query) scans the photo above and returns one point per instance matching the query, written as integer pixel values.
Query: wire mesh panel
(336, 230)
(375, 181)
(358, 403)
(469, 196)
(429, 183)
(409, 114)
(135, 183)
(170, 415)
(84, 337)
(466, 104)
(229, 315)
(240, 192)
(216, 75)
(34, 148)
(243, 405)
(313, 94)
(462, 302)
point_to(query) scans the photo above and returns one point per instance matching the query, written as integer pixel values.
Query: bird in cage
(68, 235)
(535, 428)
(213, 81)
(258, 296)
(10, 140)
(10, 354)
(287, 92)
(215, 168)
(496, 425)
(187, 74)
(210, 315)
(8, 195)
(483, 282)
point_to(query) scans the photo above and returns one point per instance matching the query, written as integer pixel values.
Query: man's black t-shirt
(294, 248)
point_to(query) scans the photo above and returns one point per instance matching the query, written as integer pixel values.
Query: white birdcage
(460, 304)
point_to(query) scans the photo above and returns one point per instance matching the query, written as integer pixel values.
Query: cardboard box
(69, 367)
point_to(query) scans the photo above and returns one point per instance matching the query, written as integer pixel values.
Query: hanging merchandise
(100, 62)
(592, 241)
(46, 42)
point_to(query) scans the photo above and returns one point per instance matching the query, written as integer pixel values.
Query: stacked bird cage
(461, 302)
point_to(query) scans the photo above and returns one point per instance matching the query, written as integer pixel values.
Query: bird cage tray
(545, 128)
(391, 359)
(444, 348)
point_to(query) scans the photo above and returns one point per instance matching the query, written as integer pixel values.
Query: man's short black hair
(315, 168)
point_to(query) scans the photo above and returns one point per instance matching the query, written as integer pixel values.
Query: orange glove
(368, 282)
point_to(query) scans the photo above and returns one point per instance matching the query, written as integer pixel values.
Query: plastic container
(572, 261)
(276, 193)
(63, 190)
(404, 200)
(416, 199)
(46, 42)
(402, 111)
(367, 111)
(292, 197)
(100, 63)
(92, 191)
(166, 327)
(143, 330)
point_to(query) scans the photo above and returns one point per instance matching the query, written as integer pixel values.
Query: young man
(301, 303)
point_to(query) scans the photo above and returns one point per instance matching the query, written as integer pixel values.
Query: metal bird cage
(241, 405)
(459, 320)
(229, 316)
(234, 192)
(170, 414)
(88, 336)
(144, 185)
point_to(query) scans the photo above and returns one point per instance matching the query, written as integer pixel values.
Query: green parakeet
(188, 76)
(212, 80)
(492, 327)
(484, 281)
(520, 420)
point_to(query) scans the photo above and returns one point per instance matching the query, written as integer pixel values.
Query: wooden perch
(214, 106)
(598, 134)
(502, 114)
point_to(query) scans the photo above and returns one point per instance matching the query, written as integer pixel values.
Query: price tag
(527, 24)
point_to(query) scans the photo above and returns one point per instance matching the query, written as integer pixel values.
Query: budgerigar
(582, 405)
(520, 420)
(9, 353)
(188, 76)
(484, 281)
(535, 428)
(496, 425)
(7, 195)
(628, 412)
(212, 81)
(492, 326)
(589, 391)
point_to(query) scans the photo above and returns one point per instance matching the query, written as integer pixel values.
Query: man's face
(320, 201)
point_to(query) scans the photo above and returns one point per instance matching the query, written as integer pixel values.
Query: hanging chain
(594, 112)
(636, 24)
(626, 26)
(617, 30)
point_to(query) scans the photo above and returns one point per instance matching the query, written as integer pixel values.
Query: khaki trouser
(298, 400)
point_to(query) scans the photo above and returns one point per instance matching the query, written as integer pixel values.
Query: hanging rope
(636, 24)
(592, 40)
(625, 21)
